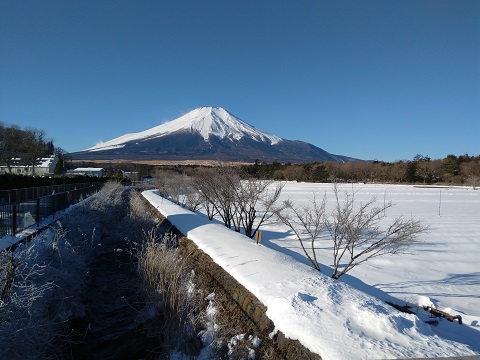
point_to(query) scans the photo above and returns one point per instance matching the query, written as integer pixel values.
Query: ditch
(113, 300)
(114, 294)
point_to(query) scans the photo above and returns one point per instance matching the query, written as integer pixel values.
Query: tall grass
(169, 283)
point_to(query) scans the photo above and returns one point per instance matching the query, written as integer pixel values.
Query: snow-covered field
(444, 268)
(348, 318)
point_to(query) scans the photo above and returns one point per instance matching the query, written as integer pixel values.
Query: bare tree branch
(357, 236)
(306, 222)
(353, 228)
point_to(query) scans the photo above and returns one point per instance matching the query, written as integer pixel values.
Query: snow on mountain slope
(206, 121)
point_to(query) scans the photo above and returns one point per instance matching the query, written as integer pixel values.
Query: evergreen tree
(411, 171)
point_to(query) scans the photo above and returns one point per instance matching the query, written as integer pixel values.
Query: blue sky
(379, 79)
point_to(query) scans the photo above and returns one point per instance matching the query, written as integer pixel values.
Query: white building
(89, 171)
(43, 166)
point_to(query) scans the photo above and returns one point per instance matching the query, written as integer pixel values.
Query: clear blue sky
(379, 79)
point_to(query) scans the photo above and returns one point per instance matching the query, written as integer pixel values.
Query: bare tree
(218, 187)
(37, 145)
(11, 143)
(254, 201)
(307, 223)
(203, 182)
(160, 180)
(353, 229)
(472, 172)
(241, 204)
(474, 180)
(179, 188)
(357, 236)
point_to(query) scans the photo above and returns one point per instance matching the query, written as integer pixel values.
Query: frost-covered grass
(179, 308)
(41, 292)
(42, 281)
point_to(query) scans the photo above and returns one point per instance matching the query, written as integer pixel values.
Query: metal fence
(26, 194)
(29, 210)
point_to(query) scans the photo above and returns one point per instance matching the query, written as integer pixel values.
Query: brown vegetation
(453, 170)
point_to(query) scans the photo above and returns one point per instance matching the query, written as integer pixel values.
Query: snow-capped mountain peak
(219, 122)
(207, 134)
(206, 121)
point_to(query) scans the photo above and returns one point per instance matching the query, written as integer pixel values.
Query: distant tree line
(27, 144)
(452, 170)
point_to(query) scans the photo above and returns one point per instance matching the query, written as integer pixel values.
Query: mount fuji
(207, 133)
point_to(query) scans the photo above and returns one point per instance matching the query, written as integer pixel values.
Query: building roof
(87, 169)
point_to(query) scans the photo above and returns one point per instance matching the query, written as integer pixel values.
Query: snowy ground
(348, 319)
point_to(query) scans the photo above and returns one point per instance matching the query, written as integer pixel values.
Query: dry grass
(169, 284)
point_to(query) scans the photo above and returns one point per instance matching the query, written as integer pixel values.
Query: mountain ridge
(207, 133)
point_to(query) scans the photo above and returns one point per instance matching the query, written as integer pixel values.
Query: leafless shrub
(240, 204)
(307, 223)
(217, 187)
(161, 181)
(254, 202)
(193, 198)
(474, 181)
(354, 230)
(357, 236)
(177, 188)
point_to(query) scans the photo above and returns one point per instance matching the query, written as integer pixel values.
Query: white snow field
(349, 318)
